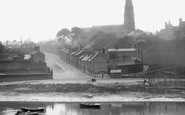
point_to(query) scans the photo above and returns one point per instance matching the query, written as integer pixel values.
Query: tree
(63, 32)
(75, 31)
(63, 36)
(79, 38)
(1, 47)
(102, 40)
(124, 42)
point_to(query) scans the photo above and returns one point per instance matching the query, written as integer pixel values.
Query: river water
(127, 108)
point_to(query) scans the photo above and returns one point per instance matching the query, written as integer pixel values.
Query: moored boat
(26, 113)
(25, 109)
(90, 105)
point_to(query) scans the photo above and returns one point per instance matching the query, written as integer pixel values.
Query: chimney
(116, 46)
(166, 25)
(180, 22)
(37, 48)
(103, 51)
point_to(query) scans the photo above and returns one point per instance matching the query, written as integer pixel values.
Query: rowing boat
(90, 105)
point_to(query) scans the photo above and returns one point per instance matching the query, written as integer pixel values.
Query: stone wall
(25, 77)
(22, 66)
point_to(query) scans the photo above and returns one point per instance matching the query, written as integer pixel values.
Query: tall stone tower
(129, 21)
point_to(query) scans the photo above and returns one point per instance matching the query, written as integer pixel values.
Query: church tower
(129, 21)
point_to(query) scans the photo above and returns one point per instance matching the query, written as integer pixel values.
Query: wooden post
(142, 63)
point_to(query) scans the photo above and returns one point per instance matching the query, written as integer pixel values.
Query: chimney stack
(103, 50)
(180, 22)
(37, 48)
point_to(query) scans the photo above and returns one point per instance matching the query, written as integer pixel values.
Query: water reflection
(139, 108)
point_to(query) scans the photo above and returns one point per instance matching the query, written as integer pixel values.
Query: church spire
(129, 21)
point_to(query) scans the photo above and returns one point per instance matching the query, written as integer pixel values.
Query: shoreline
(77, 98)
(105, 101)
(88, 92)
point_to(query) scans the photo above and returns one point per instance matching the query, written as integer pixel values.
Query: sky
(41, 19)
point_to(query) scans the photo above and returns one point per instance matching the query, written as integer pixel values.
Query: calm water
(150, 108)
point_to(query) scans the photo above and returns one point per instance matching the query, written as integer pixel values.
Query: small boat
(26, 113)
(25, 109)
(19, 113)
(31, 113)
(90, 105)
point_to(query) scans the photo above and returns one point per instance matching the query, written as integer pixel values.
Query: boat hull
(89, 106)
(24, 109)
(26, 113)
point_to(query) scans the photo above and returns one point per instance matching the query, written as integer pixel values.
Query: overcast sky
(42, 19)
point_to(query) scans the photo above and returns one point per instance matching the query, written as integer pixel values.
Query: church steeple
(129, 21)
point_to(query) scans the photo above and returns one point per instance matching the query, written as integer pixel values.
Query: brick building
(98, 63)
(37, 56)
(171, 32)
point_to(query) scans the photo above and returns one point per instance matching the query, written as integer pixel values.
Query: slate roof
(115, 71)
(78, 52)
(81, 56)
(66, 51)
(63, 49)
(35, 52)
(122, 50)
(93, 56)
(127, 63)
(87, 57)
(75, 52)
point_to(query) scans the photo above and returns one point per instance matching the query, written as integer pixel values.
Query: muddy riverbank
(71, 92)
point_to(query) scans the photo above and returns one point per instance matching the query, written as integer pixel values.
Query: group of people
(93, 79)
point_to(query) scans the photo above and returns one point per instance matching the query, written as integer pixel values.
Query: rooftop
(127, 63)
(87, 57)
(81, 56)
(63, 49)
(73, 53)
(66, 51)
(27, 56)
(34, 52)
(79, 52)
(115, 71)
(93, 56)
(122, 50)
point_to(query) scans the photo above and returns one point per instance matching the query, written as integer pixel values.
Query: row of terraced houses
(113, 61)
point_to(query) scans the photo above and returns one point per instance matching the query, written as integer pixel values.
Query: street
(65, 73)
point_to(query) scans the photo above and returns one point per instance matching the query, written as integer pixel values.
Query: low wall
(22, 66)
(128, 69)
(25, 77)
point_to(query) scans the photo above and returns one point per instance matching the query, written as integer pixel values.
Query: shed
(115, 73)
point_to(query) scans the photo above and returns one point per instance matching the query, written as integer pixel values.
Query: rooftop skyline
(42, 19)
